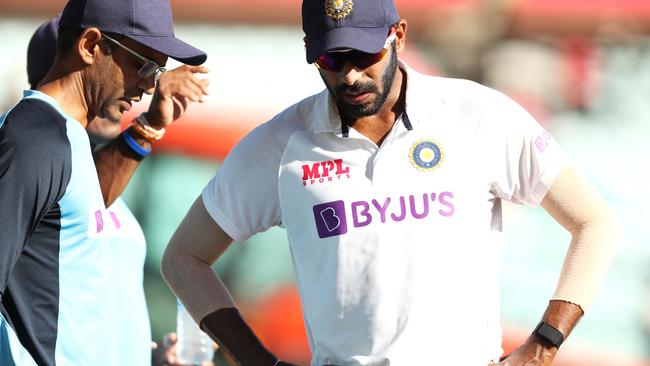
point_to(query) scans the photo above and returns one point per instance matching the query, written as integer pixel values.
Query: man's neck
(377, 126)
(68, 91)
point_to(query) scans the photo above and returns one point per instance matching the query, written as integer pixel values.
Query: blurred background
(582, 67)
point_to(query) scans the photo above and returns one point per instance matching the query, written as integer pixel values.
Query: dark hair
(67, 37)
(110, 46)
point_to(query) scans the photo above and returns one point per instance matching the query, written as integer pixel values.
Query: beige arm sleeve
(187, 263)
(576, 205)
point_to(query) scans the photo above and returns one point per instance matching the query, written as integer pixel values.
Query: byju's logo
(324, 171)
(331, 216)
(330, 219)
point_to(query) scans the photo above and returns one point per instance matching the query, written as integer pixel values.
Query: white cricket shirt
(395, 248)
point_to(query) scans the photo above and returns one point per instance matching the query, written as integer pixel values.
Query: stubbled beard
(355, 111)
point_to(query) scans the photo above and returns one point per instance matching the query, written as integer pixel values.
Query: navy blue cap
(148, 22)
(358, 24)
(42, 50)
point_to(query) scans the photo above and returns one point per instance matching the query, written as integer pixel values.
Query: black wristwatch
(549, 334)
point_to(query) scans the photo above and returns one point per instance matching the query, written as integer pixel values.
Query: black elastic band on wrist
(230, 331)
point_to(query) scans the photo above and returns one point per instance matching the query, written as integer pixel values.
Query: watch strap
(549, 334)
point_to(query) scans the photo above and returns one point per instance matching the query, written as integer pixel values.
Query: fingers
(194, 91)
(169, 340)
(195, 69)
(201, 84)
(182, 82)
(175, 90)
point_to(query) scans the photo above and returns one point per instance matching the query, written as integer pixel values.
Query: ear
(400, 41)
(89, 45)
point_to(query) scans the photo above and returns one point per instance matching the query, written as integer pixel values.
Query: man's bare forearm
(115, 164)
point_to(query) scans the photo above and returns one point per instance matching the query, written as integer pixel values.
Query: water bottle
(194, 346)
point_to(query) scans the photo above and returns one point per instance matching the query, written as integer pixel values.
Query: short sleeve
(242, 198)
(525, 159)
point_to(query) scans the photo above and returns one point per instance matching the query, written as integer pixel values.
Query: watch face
(549, 334)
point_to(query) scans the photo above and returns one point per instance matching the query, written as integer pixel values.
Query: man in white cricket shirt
(389, 184)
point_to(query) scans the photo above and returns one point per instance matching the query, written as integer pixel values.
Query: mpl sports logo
(324, 172)
(332, 217)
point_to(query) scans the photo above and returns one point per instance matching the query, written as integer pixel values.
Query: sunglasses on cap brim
(336, 60)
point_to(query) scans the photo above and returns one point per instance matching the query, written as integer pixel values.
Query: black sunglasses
(335, 60)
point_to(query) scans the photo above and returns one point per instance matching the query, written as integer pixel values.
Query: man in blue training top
(131, 330)
(56, 233)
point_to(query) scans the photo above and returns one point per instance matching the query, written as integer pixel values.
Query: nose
(349, 74)
(147, 85)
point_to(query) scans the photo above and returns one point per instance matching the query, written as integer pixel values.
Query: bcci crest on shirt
(426, 155)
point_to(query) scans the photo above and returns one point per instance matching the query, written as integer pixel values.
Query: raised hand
(175, 90)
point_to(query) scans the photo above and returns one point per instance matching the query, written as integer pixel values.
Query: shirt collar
(325, 115)
(35, 94)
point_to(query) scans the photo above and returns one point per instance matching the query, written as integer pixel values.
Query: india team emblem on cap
(338, 9)
(426, 155)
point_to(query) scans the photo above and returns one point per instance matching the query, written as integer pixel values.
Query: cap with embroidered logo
(357, 24)
(148, 22)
